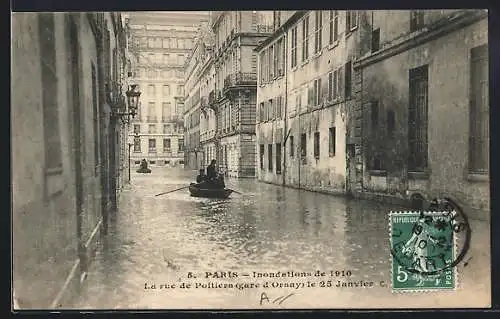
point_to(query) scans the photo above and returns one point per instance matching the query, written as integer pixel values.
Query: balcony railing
(152, 119)
(240, 78)
(264, 28)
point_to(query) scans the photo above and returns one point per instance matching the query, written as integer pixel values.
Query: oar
(235, 191)
(178, 189)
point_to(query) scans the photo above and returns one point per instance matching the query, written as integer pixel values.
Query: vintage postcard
(334, 159)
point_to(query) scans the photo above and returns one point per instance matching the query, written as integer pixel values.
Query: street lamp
(133, 93)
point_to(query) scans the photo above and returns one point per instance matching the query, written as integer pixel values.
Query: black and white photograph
(247, 160)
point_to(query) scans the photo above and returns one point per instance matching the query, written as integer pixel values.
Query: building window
(331, 141)
(479, 113)
(374, 116)
(377, 163)
(166, 90)
(166, 145)
(334, 26)
(281, 58)
(279, 107)
(51, 130)
(180, 90)
(278, 158)
(294, 47)
(316, 144)
(391, 123)
(261, 153)
(333, 85)
(166, 111)
(180, 144)
(351, 20)
(376, 40)
(318, 27)
(305, 39)
(152, 129)
(348, 79)
(152, 145)
(137, 145)
(151, 112)
(166, 129)
(270, 110)
(165, 43)
(137, 128)
(151, 90)
(303, 145)
(416, 20)
(317, 91)
(270, 157)
(417, 119)
(271, 62)
(292, 146)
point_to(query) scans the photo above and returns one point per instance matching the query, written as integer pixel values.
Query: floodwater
(156, 241)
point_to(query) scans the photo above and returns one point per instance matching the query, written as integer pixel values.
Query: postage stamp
(424, 250)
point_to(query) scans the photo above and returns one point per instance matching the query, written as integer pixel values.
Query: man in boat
(213, 179)
(211, 171)
(201, 176)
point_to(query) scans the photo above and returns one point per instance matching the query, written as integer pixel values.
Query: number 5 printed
(402, 275)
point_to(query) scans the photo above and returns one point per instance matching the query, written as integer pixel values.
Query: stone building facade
(424, 107)
(65, 148)
(347, 109)
(228, 124)
(195, 87)
(160, 44)
(304, 94)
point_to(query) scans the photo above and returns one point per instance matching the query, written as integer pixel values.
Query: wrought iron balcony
(240, 79)
(264, 28)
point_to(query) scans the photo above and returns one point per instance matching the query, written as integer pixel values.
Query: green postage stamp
(423, 249)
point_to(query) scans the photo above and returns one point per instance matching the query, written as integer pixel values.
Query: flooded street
(268, 228)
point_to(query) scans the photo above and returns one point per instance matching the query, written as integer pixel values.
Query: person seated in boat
(201, 176)
(211, 171)
(220, 181)
(144, 164)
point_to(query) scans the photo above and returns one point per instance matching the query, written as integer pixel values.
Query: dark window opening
(479, 111)
(331, 144)
(261, 156)
(316, 144)
(417, 119)
(376, 40)
(416, 20)
(270, 157)
(303, 145)
(292, 146)
(348, 77)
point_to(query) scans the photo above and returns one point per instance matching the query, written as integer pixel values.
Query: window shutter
(310, 94)
(324, 89)
(341, 84)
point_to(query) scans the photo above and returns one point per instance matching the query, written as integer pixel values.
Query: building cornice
(425, 35)
(278, 32)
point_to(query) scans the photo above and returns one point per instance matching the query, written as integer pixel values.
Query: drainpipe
(285, 131)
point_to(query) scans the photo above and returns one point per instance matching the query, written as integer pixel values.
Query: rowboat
(196, 191)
